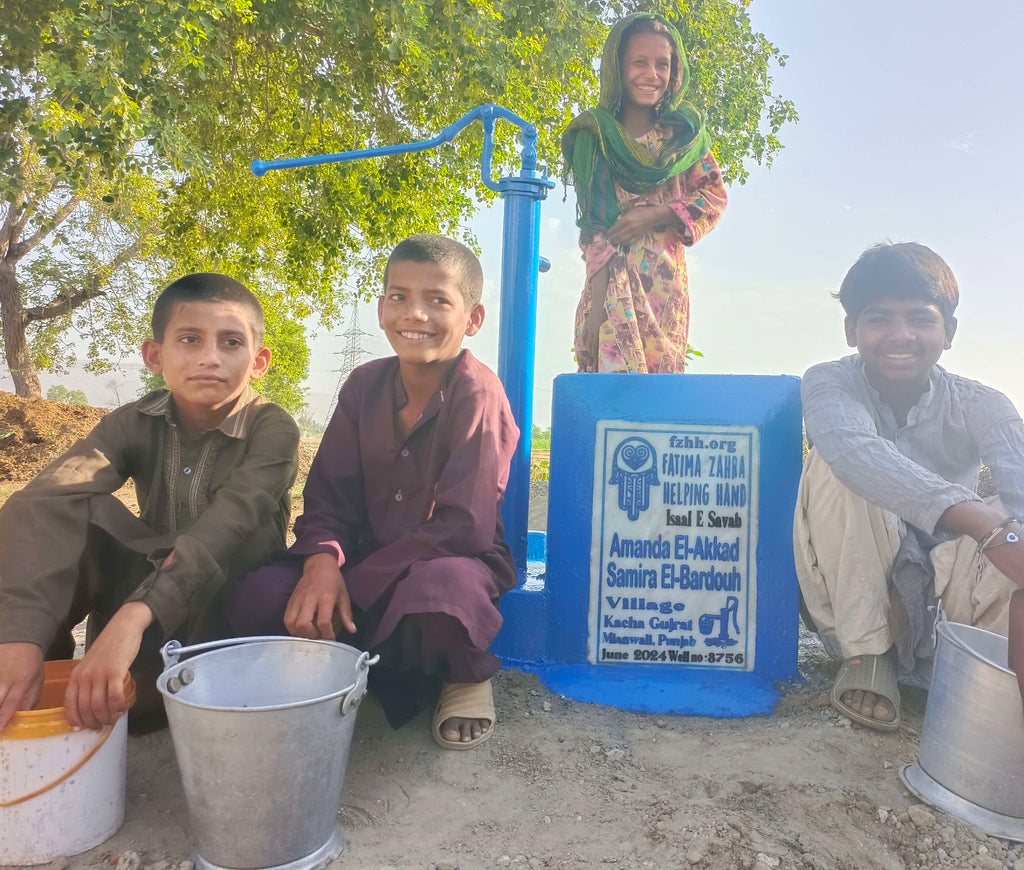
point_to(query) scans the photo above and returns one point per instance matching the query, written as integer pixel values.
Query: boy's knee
(257, 603)
(439, 627)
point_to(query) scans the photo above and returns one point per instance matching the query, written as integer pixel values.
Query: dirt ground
(573, 785)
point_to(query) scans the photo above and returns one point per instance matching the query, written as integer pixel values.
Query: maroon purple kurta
(395, 504)
(417, 517)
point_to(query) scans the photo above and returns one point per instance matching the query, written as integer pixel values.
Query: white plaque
(673, 573)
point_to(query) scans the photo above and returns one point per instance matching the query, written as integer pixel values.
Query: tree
(309, 426)
(60, 393)
(126, 131)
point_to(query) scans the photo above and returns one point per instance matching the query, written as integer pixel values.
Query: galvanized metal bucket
(971, 760)
(261, 728)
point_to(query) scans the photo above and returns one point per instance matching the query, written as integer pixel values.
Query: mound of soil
(34, 431)
(307, 450)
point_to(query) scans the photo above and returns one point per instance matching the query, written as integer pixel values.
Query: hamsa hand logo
(635, 470)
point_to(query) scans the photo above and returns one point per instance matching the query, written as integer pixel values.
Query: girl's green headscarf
(598, 150)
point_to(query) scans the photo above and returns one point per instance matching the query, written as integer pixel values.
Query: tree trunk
(12, 315)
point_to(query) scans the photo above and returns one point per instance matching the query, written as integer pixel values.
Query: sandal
(464, 701)
(868, 673)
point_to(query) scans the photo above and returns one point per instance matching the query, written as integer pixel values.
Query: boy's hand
(96, 695)
(320, 593)
(977, 519)
(21, 678)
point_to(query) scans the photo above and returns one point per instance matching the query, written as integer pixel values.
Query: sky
(910, 130)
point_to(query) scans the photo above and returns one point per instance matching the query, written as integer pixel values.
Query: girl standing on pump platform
(646, 185)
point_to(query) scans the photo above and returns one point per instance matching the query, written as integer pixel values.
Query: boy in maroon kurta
(400, 547)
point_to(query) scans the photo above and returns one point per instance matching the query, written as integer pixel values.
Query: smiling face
(646, 69)
(899, 340)
(423, 313)
(207, 357)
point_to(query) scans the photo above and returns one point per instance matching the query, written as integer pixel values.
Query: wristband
(334, 545)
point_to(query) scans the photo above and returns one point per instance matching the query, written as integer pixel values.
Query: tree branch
(9, 230)
(65, 303)
(22, 248)
(91, 290)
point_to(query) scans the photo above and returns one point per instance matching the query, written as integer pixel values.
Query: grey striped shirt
(919, 470)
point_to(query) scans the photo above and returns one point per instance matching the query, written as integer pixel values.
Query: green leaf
(147, 115)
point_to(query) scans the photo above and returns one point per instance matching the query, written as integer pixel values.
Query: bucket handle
(940, 616)
(104, 734)
(173, 650)
(353, 698)
(942, 620)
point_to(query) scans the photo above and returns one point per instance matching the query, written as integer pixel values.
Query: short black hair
(207, 287)
(448, 253)
(901, 270)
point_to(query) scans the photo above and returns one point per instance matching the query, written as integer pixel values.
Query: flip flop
(868, 673)
(464, 701)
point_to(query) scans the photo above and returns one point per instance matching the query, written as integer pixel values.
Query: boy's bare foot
(464, 717)
(866, 691)
(870, 705)
(458, 730)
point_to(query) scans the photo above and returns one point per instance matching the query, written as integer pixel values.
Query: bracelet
(1012, 537)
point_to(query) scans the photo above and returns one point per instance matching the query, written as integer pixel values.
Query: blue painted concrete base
(623, 575)
(697, 692)
(536, 546)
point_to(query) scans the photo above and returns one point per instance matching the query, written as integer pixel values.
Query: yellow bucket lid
(47, 717)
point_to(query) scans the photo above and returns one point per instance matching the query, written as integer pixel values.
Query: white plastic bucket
(61, 791)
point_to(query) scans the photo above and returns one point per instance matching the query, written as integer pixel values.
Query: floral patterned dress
(648, 301)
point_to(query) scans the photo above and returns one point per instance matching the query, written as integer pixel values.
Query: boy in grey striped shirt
(888, 520)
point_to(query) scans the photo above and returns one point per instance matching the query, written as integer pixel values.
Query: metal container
(971, 760)
(261, 728)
